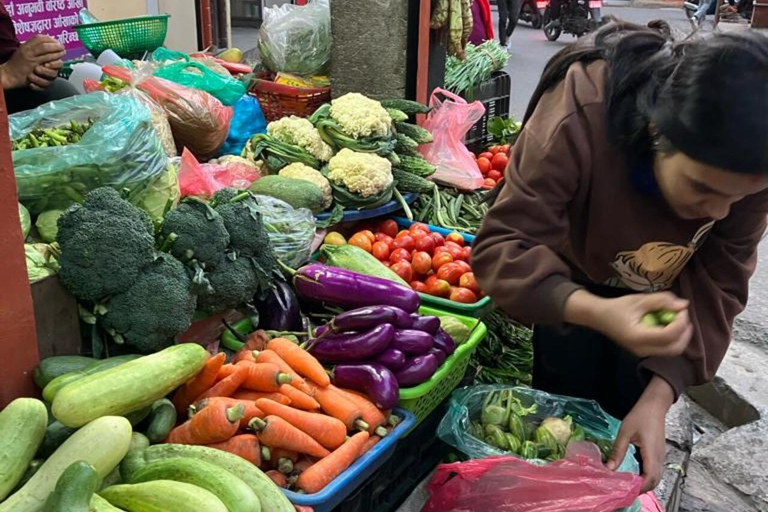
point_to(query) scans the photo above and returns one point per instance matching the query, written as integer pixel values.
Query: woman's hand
(30, 61)
(621, 320)
(644, 427)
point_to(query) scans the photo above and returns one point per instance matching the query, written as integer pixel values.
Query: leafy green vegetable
(41, 262)
(455, 328)
(504, 129)
(47, 225)
(25, 220)
(506, 355)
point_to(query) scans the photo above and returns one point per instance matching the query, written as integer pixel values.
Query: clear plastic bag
(159, 119)
(199, 76)
(121, 149)
(297, 39)
(247, 121)
(204, 180)
(290, 230)
(449, 121)
(577, 483)
(467, 403)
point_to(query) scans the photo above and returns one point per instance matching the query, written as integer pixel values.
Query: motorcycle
(532, 11)
(577, 17)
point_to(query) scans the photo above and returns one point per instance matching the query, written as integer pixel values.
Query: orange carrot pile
(243, 445)
(244, 394)
(275, 432)
(213, 424)
(326, 430)
(199, 384)
(300, 360)
(321, 473)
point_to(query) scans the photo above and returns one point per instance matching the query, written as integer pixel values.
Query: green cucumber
(297, 193)
(416, 132)
(397, 115)
(53, 387)
(353, 258)
(22, 429)
(163, 495)
(29, 473)
(162, 419)
(230, 489)
(409, 182)
(52, 367)
(55, 435)
(74, 489)
(408, 106)
(99, 504)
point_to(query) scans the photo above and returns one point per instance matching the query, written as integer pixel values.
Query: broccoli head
(104, 244)
(159, 306)
(235, 281)
(199, 231)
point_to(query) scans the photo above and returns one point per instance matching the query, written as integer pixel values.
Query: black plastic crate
(495, 95)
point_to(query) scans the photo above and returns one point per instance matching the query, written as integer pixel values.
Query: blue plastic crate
(405, 223)
(347, 482)
(385, 209)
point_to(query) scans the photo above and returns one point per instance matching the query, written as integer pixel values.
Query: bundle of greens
(451, 209)
(506, 355)
(462, 76)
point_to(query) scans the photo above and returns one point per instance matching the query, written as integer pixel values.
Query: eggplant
(439, 354)
(428, 324)
(412, 342)
(392, 359)
(375, 380)
(279, 308)
(363, 319)
(348, 289)
(357, 346)
(444, 342)
(417, 370)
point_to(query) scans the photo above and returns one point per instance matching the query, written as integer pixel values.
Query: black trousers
(509, 12)
(18, 100)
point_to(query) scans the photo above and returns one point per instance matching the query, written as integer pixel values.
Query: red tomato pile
(431, 263)
(492, 164)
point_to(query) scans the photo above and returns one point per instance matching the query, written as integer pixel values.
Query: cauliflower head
(299, 171)
(300, 132)
(360, 116)
(365, 174)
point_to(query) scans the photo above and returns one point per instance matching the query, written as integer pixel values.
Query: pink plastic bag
(449, 121)
(196, 179)
(578, 483)
(650, 503)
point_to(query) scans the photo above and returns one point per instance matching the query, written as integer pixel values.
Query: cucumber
(405, 144)
(161, 420)
(22, 429)
(271, 497)
(297, 193)
(408, 182)
(55, 434)
(397, 115)
(99, 504)
(128, 387)
(358, 260)
(102, 443)
(52, 367)
(407, 106)
(138, 416)
(416, 165)
(416, 132)
(53, 387)
(163, 496)
(232, 491)
(74, 489)
(33, 467)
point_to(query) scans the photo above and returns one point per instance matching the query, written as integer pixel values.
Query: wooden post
(18, 341)
(422, 71)
(718, 6)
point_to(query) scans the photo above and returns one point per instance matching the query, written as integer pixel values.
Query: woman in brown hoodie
(639, 183)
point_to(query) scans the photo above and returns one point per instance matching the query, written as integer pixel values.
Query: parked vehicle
(532, 11)
(577, 17)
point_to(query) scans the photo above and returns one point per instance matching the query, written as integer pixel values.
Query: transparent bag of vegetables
(290, 230)
(489, 420)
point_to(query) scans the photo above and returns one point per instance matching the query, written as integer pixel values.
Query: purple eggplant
(439, 354)
(392, 359)
(412, 342)
(357, 346)
(352, 290)
(428, 324)
(363, 319)
(445, 342)
(417, 370)
(279, 309)
(375, 380)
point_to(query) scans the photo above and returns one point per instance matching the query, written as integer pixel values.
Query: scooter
(577, 17)
(532, 11)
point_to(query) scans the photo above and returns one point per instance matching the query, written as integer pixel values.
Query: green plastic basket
(424, 398)
(130, 38)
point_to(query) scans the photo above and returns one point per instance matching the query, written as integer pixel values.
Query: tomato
(422, 262)
(464, 266)
(334, 238)
(484, 164)
(467, 254)
(386, 264)
(361, 241)
(402, 233)
(419, 286)
(463, 295)
(425, 243)
(456, 238)
(368, 234)
(450, 272)
(494, 175)
(438, 260)
(505, 149)
(469, 282)
(380, 250)
(487, 155)
(439, 288)
(438, 238)
(404, 242)
(430, 279)
(473, 155)
(388, 227)
(399, 255)
(381, 237)
(488, 183)
(418, 227)
(494, 149)
(499, 162)
(441, 249)
(455, 250)
(404, 270)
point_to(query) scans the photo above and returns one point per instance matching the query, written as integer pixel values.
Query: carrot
(249, 406)
(225, 371)
(228, 386)
(372, 415)
(244, 355)
(198, 384)
(300, 360)
(326, 430)
(370, 443)
(299, 399)
(302, 465)
(278, 478)
(243, 394)
(324, 471)
(282, 460)
(243, 445)
(270, 356)
(265, 377)
(336, 405)
(275, 432)
(213, 424)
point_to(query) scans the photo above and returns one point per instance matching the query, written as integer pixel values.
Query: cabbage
(453, 326)
(559, 428)
(47, 225)
(40, 262)
(25, 219)
(161, 196)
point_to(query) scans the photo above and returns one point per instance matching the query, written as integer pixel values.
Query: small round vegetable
(422, 263)
(361, 241)
(450, 272)
(441, 259)
(405, 242)
(484, 164)
(469, 282)
(438, 238)
(494, 149)
(419, 227)
(367, 233)
(419, 286)
(334, 238)
(403, 269)
(388, 227)
(380, 250)
(463, 265)
(381, 237)
(488, 183)
(456, 238)
(487, 155)
(463, 295)
(439, 288)
(494, 175)
(454, 250)
(500, 161)
(425, 243)
(399, 255)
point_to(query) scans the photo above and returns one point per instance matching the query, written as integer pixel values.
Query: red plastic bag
(578, 483)
(196, 179)
(650, 503)
(449, 121)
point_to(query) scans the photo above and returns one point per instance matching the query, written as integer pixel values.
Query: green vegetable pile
(49, 137)
(506, 355)
(462, 76)
(451, 209)
(659, 318)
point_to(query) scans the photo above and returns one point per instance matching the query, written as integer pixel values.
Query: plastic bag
(199, 76)
(162, 195)
(121, 149)
(578, 483)
(290, 230)
(159, 119)
(297, 39)
(196, 179)
(466, 404)
(247, 121)
(449, 121)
